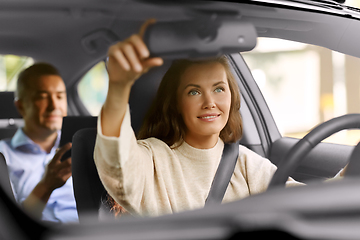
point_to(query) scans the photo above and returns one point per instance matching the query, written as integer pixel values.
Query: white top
(147, 177)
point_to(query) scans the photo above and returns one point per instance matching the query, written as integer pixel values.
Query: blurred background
(317, 83)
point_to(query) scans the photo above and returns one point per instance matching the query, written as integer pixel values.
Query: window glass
(93, 88)
(305, 85)
(10, 67)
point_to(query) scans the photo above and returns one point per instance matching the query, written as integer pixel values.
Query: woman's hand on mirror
(129, 59)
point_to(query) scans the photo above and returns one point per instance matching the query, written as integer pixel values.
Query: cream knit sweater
(147, 177)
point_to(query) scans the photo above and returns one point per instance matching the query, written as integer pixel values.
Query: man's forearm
(36, 201)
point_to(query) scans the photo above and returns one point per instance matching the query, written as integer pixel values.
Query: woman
(195, 111)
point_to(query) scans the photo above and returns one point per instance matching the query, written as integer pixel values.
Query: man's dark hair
(29, 74)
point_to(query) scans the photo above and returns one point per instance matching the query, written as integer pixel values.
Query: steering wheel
(292, 160)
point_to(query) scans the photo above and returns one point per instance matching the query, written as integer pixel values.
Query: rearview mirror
(198, 39)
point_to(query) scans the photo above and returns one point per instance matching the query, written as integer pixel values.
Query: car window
(10, 67)
(93, 88)
(305, 85)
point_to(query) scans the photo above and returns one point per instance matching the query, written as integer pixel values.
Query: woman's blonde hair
(163, 120)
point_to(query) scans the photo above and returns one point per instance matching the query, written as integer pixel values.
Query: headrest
(7, 107)
(143, 92)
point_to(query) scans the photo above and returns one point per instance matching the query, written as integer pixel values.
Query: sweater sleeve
(121, 164)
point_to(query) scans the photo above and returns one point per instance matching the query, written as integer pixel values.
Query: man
(41, 182)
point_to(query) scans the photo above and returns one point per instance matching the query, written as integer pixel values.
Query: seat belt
(223, 174)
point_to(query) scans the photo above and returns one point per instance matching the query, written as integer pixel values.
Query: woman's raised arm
(127, 61)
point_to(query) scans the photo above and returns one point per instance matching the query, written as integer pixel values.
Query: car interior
(10, 118)
(75, 36)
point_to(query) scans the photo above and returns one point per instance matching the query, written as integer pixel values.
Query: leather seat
(10, 118)
(5, 179)
(12, 216)
(90, 194)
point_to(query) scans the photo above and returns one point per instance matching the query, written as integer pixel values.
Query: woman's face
(204, 99)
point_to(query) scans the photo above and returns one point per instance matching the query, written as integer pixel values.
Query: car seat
(16, 224)
(10, 118)
(4, 178)
(88, 189)
(90, 194)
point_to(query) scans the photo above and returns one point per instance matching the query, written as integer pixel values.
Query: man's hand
(56, 175)
(57, 172)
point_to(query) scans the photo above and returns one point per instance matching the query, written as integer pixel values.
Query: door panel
(323, 161)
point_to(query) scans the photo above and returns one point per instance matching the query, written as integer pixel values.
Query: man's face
(44, 104)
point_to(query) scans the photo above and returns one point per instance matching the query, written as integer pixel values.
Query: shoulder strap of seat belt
(223, 173)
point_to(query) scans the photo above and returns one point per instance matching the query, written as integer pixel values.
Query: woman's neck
(202, 142)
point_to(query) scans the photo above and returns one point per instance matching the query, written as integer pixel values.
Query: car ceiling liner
(195, 38)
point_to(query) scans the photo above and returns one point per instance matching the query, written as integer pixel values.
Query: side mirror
(199, 39)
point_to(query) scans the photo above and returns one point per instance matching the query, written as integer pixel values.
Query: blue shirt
(26, 163)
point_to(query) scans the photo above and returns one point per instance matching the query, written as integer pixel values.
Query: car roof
(76, 34)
